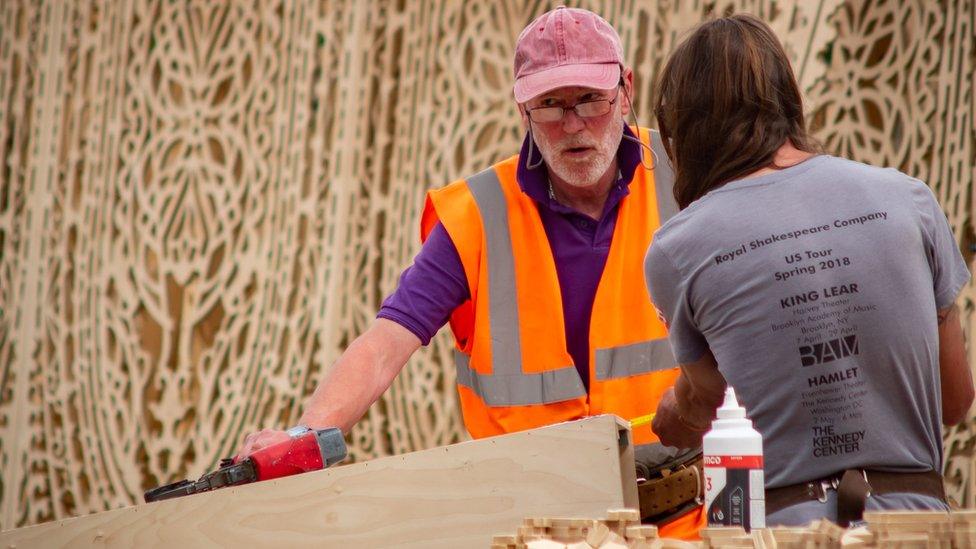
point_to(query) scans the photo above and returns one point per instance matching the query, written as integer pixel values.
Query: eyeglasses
(583, 109)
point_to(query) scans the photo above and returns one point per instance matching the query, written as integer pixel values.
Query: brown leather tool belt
(853, 487)
(670, 483)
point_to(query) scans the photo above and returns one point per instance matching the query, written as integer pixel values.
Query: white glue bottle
(733, 455)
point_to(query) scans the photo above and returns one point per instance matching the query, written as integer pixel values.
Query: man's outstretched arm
(357, 380)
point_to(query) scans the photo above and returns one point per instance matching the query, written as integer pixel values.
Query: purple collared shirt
(435, 284)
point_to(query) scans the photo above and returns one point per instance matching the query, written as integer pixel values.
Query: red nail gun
(308, 451)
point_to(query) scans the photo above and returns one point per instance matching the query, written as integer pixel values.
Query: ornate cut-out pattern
(203, 203)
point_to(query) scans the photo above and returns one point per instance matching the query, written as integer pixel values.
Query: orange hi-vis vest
(513, 368)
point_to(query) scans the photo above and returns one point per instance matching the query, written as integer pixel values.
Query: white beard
(584, 172)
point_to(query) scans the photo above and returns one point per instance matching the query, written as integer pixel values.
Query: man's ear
(627, 76)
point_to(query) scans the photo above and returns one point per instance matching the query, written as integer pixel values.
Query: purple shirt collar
(535, 183)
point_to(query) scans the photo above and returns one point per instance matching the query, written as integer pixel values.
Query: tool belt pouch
(669, 482)
(853, 487)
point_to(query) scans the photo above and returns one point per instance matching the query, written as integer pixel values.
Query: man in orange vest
(536, 261)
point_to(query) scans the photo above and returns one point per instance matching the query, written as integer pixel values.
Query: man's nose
(572, 122)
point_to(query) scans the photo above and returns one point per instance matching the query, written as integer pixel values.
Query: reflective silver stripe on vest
(667, 206)
(634, 359)
(519, 389)
(507, 385)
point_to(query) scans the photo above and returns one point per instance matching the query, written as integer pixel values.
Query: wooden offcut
(453, 496)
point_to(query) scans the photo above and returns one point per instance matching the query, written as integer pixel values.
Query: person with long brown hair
(822, 290)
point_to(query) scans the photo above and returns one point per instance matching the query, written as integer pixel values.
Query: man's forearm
(348, 390)
(954, 373)
(697, 400)
(684, 414)
(360, 376)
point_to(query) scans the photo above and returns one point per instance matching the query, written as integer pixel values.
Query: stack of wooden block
(889, 530)
(818, 534)
(620, 530)
(733, 537)
(922, 529)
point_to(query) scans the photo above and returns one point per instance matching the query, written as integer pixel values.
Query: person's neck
(786, 156)
(588, 200)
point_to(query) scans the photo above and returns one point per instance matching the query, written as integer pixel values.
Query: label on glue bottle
(734, 488)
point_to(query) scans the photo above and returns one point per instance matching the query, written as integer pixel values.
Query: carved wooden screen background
(203, 202)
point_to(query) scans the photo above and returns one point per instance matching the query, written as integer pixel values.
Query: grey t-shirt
(816, 289)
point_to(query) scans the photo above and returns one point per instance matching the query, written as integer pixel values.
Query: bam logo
(829, 351)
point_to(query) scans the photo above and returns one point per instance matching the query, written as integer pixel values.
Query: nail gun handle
(310, 451)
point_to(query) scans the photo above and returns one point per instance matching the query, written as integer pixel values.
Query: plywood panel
(453, 496)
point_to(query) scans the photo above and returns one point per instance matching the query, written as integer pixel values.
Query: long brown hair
(726, 101)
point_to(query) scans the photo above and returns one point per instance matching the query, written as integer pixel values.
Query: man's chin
(576, 179)
(579, 176)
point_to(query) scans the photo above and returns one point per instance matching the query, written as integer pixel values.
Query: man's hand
(261, 439)
(670, 427)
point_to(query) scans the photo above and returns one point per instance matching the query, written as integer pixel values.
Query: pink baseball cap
(566, 47)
